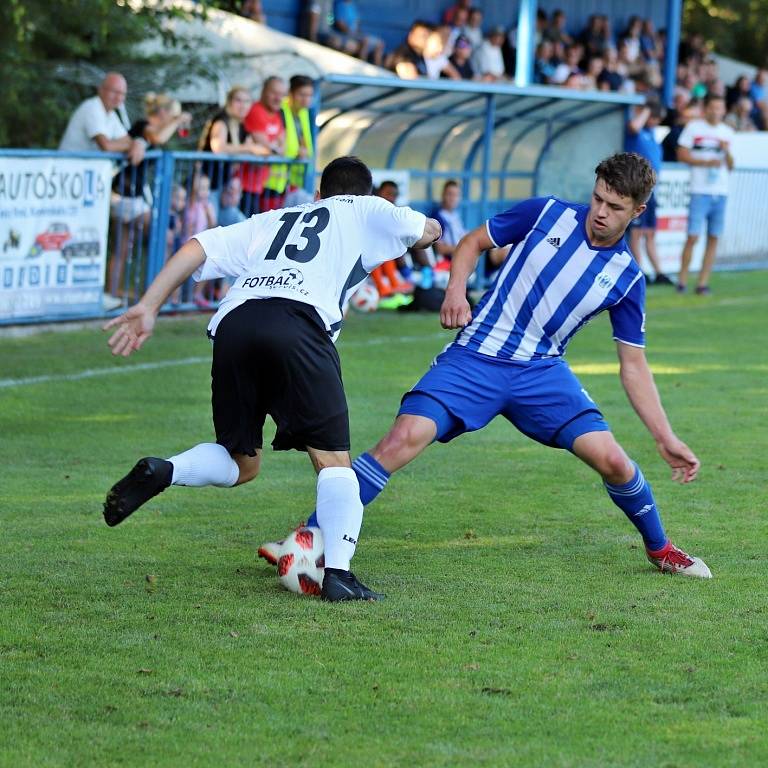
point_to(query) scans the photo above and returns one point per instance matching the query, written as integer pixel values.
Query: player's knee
(406, 438)
(615, 466)
(249, 467)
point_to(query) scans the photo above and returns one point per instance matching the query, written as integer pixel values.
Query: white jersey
(705, 142)
(317, 253)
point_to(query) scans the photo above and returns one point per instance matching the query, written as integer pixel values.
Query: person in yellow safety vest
(298, 136)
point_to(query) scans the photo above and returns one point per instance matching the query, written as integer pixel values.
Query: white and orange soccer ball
(365, 298)
(300, 562)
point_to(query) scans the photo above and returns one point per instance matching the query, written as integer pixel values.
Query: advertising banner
(54, 217)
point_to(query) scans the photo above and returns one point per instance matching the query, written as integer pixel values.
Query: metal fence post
(160, 215)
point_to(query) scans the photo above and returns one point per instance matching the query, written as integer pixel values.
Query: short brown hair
(629, 174)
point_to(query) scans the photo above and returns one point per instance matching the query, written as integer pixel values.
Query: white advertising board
(54, 217)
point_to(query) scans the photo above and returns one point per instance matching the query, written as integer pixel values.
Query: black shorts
(274, 357)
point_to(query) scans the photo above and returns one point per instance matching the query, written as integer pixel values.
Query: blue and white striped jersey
(552, 283)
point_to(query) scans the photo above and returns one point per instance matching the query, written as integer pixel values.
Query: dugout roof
(502, 142)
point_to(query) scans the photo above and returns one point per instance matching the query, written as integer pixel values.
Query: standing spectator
(610, 78)
(162, 118)
(347, 24)
(96, 125)
(631, 39)
(225, 134)
(705, 146)
(738, 90)
(640, 139)
(460, 58)
(264, 123)
(593, 37)
(407, 61)
(488, 60)
(298, 136)
(175, 234)
(758, 96)
(649, 42)
(200, 215)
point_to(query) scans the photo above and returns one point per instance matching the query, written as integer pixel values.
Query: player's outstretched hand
(455, 312)
(134, 327)
(685, 465)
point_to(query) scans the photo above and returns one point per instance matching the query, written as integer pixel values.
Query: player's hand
(685, 465)
(134, 327)
(455, 312)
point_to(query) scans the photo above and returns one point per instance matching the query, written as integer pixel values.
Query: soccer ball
(365, 298)
(301, 563)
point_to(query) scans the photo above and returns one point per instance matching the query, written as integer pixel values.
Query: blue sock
(635, 500)
(372, 478)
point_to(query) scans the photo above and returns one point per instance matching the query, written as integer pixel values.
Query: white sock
(339, 514)
(205, 464)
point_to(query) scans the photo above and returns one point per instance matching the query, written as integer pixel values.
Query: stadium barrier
(84, 234)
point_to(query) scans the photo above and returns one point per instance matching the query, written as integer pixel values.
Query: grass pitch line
(90, 373)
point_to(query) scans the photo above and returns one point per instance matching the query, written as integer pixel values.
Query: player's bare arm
(456, 312)
(432, 232)
(638, 383)
(136, 325)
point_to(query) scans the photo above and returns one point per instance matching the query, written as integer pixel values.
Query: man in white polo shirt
(96, 126)
(705, 146)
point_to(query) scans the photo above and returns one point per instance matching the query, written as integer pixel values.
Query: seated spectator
(229, 208)
(593, 38)
(590, 79)
(347, 24)
(460, 20)
(252, 9)
(450, 220)
(570, 66)
(319, 24)
(436, 58)
(460, 59)
(474, 29)
(738, 90)
(610, 78)
(543, 68)
(449, 17)
(556, 31)
(407, 61)
(649, 42)
(488, 60)
(631, 39)
(740, 116)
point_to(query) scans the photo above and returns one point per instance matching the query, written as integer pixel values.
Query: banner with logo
(54, 217)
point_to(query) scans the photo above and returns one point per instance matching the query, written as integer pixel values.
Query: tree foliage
(736, 28)
(53, 54)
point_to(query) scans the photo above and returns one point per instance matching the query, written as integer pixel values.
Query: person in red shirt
(264, 123)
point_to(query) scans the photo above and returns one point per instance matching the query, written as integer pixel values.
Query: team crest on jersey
(604, 280)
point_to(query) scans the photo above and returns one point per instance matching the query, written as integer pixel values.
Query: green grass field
(523, 626)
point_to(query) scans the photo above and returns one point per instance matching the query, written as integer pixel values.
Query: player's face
(609, 214)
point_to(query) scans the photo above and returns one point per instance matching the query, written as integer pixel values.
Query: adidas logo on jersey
(554, 241)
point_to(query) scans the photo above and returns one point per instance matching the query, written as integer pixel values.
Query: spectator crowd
(458, 47)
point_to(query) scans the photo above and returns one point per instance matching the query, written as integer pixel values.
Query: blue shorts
(647, 219)
(464, 390)
(709, 208)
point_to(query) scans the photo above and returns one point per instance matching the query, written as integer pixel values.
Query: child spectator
(199, 215)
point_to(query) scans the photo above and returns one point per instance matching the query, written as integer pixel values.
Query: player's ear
(317, 195)
(639, 210)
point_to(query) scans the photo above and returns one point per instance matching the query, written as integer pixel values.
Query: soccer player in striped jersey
(568, 263)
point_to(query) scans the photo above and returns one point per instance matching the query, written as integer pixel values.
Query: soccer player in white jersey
(568, 263)
(273, 351)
